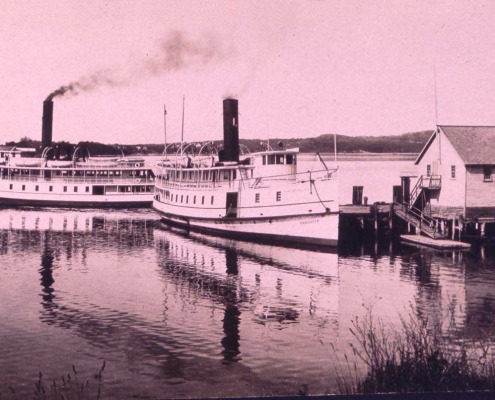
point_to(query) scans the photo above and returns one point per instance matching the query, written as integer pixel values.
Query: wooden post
(375, 212)
(453, 228)
(483, 226)
(391, 218)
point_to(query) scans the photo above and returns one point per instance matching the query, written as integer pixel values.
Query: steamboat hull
(313, 229)
(104, 203)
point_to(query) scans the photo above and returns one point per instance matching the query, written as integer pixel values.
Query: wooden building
(457, 166)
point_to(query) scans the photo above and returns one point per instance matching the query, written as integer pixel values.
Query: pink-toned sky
(298, 68)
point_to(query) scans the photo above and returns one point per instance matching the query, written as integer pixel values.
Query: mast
(335, 147)
(182, 135)
(165, 129)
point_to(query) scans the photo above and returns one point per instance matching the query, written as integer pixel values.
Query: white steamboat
(77, 181)
(93, 182)
(260, 197)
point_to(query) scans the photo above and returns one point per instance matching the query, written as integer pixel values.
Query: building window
(37, 188)
(65, 188)
(75, 189)
(50, 188)
(452, 171)
(487, 173)
(428, 170)
(194, 200)
(23, 187)
(212, 199)
(181, 198)
(187, 199)
(203, 200)
(87, 189)
(257, 198)
(279, 196)
(11, 186)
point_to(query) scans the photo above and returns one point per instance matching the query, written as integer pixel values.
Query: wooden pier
(396, 220)
(420, 240)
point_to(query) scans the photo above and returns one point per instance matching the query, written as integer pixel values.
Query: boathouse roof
(474, 144)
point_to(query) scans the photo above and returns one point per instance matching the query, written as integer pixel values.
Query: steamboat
(77, 181)
(255, 196)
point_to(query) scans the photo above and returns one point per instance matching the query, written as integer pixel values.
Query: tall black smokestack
(230, 130)
(46, 128)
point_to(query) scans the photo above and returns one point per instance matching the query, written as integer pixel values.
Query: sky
(298, 68)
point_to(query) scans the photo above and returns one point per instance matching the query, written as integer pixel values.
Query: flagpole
(165, 129)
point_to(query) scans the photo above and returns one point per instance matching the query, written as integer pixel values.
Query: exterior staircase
(414, 211)
(424, 183)
(421, 221)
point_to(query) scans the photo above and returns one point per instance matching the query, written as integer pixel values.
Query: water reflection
(231, 319)
(185, 312)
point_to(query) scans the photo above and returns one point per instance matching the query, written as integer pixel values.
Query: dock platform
(435, 243)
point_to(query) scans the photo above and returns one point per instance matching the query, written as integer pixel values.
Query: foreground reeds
(421, 357)
(68, 388)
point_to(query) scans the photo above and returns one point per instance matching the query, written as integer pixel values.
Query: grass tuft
(420, 358)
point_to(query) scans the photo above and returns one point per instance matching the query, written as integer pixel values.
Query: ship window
(212, 199)
(176, 198)
(226, 175)
(290, 159)
(23, 187)
(194, 200)
(203, 200)
(264, 160)
(257, 198)
(37, 188)
(271, 159)
(65, 188)
(87, 189)
(452, 171)
(75, 189)
(181, 198)
(280, 159)
(11, 186)
(187, 199)
(50, 188)
(279, 196)
(487, 173)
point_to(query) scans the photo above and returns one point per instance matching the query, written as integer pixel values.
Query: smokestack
(230, 130)
(46, 128)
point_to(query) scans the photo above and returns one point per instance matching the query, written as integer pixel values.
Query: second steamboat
(260, 196)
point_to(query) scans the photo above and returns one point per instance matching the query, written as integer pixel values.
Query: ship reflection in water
(178, 314)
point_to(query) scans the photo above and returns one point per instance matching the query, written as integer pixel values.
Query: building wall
(453, 192)
(480, 199)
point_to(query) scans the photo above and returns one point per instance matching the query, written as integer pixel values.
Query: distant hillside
(406, 143)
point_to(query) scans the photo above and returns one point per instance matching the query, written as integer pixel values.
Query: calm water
(177, 315)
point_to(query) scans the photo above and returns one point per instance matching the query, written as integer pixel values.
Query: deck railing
(242, 181)
(76, 179)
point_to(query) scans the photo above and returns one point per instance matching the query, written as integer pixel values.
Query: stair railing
(416, 190)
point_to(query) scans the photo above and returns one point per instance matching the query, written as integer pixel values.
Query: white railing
(243, 182)
(75, 179)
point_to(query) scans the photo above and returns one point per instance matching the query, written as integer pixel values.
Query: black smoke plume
(175, 52)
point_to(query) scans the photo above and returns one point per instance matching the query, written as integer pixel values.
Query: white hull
(313, 229)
